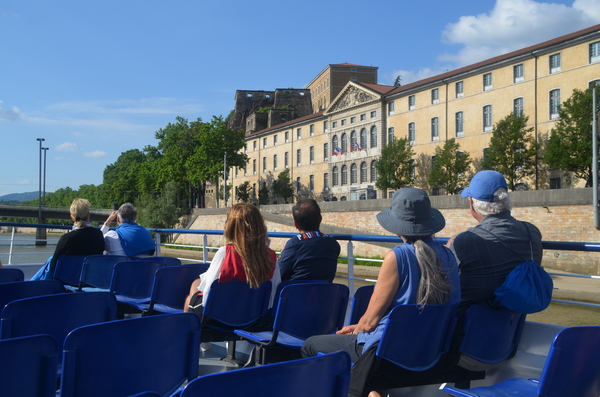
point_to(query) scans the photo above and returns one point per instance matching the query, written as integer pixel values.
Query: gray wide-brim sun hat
(411, 214)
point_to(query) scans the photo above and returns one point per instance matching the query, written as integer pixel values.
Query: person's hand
(348, 329)
(111, 218)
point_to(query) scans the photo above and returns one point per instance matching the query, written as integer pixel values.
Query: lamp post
(40, 234)
(44, 184)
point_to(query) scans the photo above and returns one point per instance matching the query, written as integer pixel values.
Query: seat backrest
(9, 275)
(56, 315)
(134, 279)
(416, 337)
(491, 336)
(172, 284)
(305, 310)
(235, 304)
(26, 289)
(28, 366)
(68, 269)
(97, 270)
(362, 296)
(573, 364)
(126, 357)
(167, 260)
(321, 376)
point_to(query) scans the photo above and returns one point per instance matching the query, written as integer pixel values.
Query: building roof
(287, 124)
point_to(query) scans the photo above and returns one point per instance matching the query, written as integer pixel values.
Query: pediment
(351, 96)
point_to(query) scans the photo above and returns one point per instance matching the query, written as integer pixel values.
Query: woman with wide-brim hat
(420, 271)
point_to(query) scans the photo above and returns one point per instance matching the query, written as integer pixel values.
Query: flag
(337, 151)
(357, 146)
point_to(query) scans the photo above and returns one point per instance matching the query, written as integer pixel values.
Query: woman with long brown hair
(245, 257)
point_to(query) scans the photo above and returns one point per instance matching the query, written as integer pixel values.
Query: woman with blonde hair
(245, 257)
(81, 240)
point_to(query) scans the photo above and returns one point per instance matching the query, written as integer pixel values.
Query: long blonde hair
(434, 286)
(245, 229)
(80, 209)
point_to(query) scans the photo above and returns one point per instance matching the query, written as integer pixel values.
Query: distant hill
(19, 197)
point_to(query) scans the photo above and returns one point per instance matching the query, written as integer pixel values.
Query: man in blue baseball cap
(483, 260)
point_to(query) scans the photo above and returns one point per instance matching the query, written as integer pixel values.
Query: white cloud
(96, 154)
(68, 147)
(514, 24)
(12, 114)
(79, 134)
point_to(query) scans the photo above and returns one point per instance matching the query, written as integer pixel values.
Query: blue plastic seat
(26, 289)
(171, 287)
(360, 302)
(167, 260)
(131, 283)
(28, 366)
(322, 376)
(127, 357)
(572, 369)
(303, 310)
(97, 271)
(68, 270)
(56, 315)
(10, 275)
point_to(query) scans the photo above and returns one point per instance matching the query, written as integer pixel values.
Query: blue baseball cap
(484, 184)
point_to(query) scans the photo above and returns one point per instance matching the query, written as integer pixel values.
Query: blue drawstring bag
(527, 288)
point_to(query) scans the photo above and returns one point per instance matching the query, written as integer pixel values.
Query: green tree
(282, 186)
(121, 177)
(263, 195)
(450, 168)
(398, 81)
(243, 192)
(163, 210)
(570, 145)
(395, 168)
(512, 150)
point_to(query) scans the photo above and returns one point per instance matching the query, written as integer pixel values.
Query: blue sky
(95, 79)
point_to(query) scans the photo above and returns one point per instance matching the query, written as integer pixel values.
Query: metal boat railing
(349, 238)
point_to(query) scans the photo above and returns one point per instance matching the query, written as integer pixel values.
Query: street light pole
(40, 233)
(44, 187)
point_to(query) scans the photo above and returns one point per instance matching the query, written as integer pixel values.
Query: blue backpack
(527, 288)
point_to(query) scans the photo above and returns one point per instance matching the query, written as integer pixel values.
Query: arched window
(344, 143)
(363, 138)
(353, 174)
(334, 143)
(363, 172)
(373, 171)
(344, 175)
(353, 141)
(335, 176)
(374, 136)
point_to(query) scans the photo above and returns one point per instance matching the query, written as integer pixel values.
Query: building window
(435, 131)
(363, 172)
(298, 184)
(335, 176)
(298, 157)
(459, 89)
(299, 133)
(264, 164)
(594, 83)
(554, 63)
(363, 138)
(373, 114)
(555, 183)
(287, 136)
(459, 124)
(344, 143)
(554, 103)
(363, 117)
(311, 154)
(411, 132)
(353, 174)
(264, 143)
(487, 118)
(412, 102)
(343, 122)
(254, 166)
(334, 124)
(275, 162)
(311, 183)
(594, 53)
(334, 144)
(390, 108)
(311, 130)
(353, 141)
(286, 160)
(518, 107)
(391, 135)
(352, 120)
(254, 145)
(274, 140)
(325, 151)
(326, 126)
(373, 136)
(518, 73)
(373, 171)
(487, 81)
(325, 181)
(435, 96)
(344, 175)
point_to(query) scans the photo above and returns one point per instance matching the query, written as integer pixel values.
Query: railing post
(12, 241)
(351, 267)
(157, 240)
(204, 249)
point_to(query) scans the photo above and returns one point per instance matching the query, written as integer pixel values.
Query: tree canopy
(282, 186)
(450, 168)
(395, 168)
